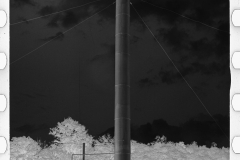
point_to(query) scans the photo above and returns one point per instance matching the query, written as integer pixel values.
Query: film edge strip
(4, 80)
(235, 80)
(234, 91)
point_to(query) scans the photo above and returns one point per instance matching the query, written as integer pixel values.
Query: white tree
(70, 135)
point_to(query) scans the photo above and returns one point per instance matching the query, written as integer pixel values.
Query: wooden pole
(122, 145)
(83, 151)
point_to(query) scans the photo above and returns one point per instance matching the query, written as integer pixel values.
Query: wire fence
(84, 154)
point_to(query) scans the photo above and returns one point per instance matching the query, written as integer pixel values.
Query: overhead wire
(179, 71)
(145, 25)
(53, 13)
(60, 34)
(186, 17)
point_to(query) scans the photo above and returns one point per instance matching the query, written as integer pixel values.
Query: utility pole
(122, 145)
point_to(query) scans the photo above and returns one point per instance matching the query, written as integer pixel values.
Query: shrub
(23, 148)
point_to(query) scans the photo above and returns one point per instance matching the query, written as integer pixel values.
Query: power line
(60, 34)
(179, 71)
(186, 17)
(53, 13)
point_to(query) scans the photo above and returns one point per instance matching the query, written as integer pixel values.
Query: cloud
(54, 22)
(32, 95)
(101, 68)
(20, 19)
(212, 13)
(69, 19)
(72, 17)
(134, 39)
(46, 10)
(20, 3)
(57, 36)
(176, 38)
(27, 128)
(108, 55)
(30, 128)
(169, 76)
(198, 52)
(28, 95)
(223, 42)
(146, 82)
(194, 48)
(202, 48)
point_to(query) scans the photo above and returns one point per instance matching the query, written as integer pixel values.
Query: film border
(4, 79)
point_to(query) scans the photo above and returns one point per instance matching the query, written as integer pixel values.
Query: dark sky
(73, 75)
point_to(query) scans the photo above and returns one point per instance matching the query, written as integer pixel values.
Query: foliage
(42, 144)
(52, 154)
(70, 135)
(23, 147)
(161, 149)
(104, 144)
(159, 139)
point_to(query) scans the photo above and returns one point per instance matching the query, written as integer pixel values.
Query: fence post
(83, 151)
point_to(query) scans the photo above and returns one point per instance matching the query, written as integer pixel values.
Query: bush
(23, 147)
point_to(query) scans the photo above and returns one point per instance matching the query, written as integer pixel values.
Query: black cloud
(201, 129)
(30, 128)
(146, 82)
(46, 10)
(202, 48)
(69, 19)
(72, 17)
(169, 11)
(54, 21)
(222, 48)
(19, 3)
(176, 38)
(206, 55)
(170, 76)
(110, 54)
(57, 36)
